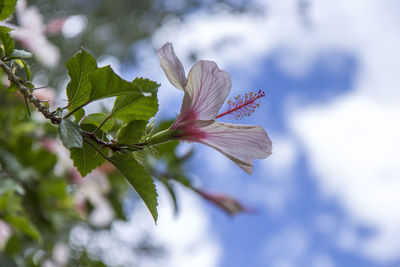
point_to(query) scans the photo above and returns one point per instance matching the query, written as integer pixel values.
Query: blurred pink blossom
(46, 94)
(5, 233)
(31, 33)
(225, 202)
(205, 90)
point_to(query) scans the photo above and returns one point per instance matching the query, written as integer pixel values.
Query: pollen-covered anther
(242, 105)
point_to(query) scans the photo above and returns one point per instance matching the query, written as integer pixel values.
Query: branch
(101, 125)
(76, 109)
(98, 150)
(25, 91)
(28, 95)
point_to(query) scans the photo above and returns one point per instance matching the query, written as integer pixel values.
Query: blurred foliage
(39, 205)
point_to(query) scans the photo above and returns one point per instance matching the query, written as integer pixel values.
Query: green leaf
(79, 68)
(97, 119)
(8, 43)
(146, 85)
(9, 162)
(139, 179)
(53, 191)
(12, 88)
(24, 225)
(132, 132)
(106, 83)
(27, 70)
(87, 158)
(7, 7)
(70, 133)
(5, 29)
(8, 185)
(131, 107)
(172, 193)
(20, 54)
(79, 114)
(13, 245)
(42, 160)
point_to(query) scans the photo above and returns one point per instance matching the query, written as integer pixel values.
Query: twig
(25, 91)
(27, 107)
(41, 87)
(98, 150)
(101, 125)
(53, 117)
(76, 109)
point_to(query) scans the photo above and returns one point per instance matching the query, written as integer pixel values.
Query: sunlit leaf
(106, 83)
(97, 119)
(79, 114)
(146, 85)
(132, 107)
(132, 132)
(139, 179)
(79, 67)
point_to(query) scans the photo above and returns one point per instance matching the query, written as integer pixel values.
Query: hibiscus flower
(205, 91)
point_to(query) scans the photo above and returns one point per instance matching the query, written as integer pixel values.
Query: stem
(101, 125)
(161, 137)
(76, 109)
(27, 107)
(98, 150)
(41, 87)
(112, 146)
(25, 91)
(52, 116)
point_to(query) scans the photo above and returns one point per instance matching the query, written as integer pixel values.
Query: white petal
(44, 51)
(172, 66)
(240, 143)
(206, 90)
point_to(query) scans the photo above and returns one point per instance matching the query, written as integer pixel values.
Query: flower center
(186, 124)
(242, 105)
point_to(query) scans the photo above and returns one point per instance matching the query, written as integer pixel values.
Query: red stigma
(242, 105)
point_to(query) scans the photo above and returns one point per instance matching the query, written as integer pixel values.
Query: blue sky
(328, 194)
(245, 237)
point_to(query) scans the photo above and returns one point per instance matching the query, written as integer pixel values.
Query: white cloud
(352, 144)
(284, 156)
(187, 238)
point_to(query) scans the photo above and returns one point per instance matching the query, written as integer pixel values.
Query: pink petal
(240, 143)
(206, 90)
(229, 204)
(172, 66)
